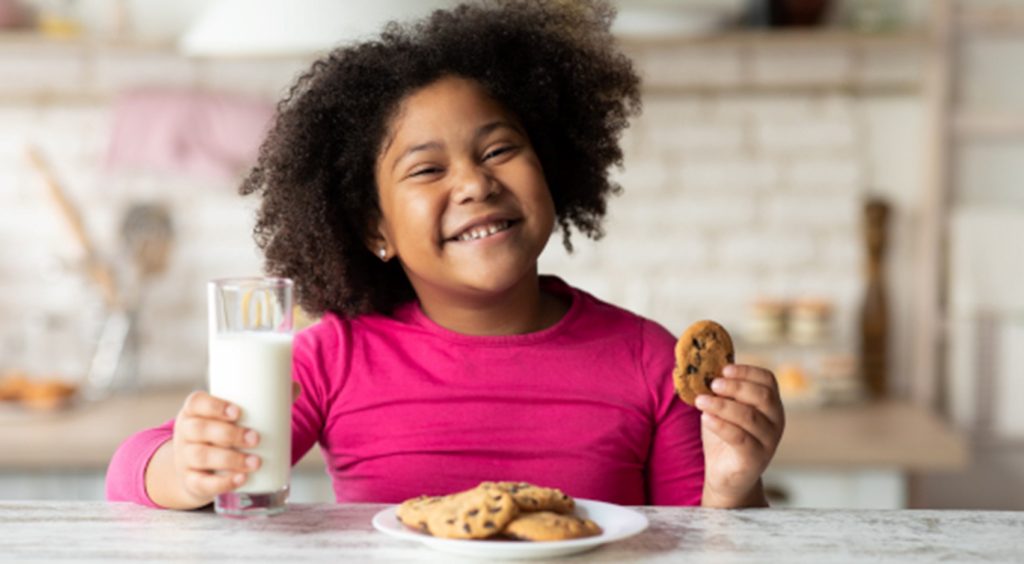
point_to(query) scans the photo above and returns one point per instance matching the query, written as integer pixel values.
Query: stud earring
(383, 252)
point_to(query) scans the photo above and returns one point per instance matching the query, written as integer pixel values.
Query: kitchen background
(835, 181)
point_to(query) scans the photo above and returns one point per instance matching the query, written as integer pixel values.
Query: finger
(729, 432)
(209, 484)
(752, 373)
(198, 456)
(741, 415)
(765, 399)
(202, 404)
(217, 433)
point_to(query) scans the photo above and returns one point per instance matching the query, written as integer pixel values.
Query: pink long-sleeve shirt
(403, 407)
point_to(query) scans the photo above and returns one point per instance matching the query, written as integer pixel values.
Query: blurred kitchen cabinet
(860, 456)
(967, 359)
(881, 488)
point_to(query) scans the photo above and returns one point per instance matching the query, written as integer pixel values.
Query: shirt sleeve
(675, 465)
(126, 474)
(308, 369)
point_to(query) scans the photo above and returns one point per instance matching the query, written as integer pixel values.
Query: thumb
(296, 391)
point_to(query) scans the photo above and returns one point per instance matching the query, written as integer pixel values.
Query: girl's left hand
(741, 427)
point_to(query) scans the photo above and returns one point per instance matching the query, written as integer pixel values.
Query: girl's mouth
(483, 231)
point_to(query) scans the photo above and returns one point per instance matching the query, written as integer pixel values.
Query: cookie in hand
(701, 353)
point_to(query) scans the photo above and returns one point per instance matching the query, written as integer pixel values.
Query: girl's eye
(425, 171)
(499, 151)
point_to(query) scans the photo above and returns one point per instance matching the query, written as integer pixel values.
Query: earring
(383, 252)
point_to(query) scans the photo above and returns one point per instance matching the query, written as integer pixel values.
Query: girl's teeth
(481, 232)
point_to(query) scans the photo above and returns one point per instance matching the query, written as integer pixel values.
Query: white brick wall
(730, 194)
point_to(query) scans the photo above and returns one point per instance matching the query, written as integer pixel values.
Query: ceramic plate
(616, 521)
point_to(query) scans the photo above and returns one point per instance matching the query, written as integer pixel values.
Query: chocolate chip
(496, 498)
(731, 358)
(493, 509)
(466, 528)
(488, 524)
(473, 512)
(691, 369)
(697, 344)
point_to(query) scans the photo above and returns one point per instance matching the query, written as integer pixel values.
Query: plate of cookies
(514, 520)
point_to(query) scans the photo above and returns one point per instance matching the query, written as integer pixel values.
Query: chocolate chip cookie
(550, 526)
(413, 512)
(473, 514)
(701, 353)
(535, 498)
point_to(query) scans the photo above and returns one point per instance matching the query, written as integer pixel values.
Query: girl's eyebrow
(488, 128)
(415, 148)
(481, 131)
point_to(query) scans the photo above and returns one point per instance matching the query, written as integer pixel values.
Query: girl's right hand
(206, 440)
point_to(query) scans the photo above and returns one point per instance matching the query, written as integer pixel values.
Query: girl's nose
(473, 184)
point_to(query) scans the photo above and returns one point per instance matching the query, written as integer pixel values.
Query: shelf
(1001, 20)
(796, 38)
(34, 40)
(730, 38)
(993, 125)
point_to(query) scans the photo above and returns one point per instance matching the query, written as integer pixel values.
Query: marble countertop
(113, 532)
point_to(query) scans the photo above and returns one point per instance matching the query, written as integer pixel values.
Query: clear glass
(250, 355)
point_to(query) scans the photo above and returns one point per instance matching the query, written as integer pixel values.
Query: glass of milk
(251, 366)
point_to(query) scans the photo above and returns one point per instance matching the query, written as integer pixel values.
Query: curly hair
(552, 63)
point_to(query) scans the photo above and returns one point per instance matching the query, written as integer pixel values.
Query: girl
(408, 186)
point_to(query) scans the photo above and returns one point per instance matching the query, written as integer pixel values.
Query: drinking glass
(250, 366)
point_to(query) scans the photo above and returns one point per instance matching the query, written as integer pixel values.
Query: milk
(252, 370)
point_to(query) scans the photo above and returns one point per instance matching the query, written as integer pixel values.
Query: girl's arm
(125, 480)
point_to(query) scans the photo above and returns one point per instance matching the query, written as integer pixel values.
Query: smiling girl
(409, 185)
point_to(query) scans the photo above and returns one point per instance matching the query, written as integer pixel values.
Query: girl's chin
(497, 281)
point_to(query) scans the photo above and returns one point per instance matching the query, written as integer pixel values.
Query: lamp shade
(241, 28)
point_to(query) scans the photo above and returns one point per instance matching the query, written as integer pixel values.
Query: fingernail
(252, 461)
(717, 385)
(231, 411)
(729, 370)
(238, 479)
(251, 438)
(703, 401)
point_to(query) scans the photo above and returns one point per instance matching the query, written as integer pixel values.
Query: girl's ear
(377, 240)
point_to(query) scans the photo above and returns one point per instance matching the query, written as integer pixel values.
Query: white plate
(617, 523)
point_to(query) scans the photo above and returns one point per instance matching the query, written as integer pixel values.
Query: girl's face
(463, 199)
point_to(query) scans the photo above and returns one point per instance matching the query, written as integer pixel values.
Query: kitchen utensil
(147, 232)
(146, 235)
(99, 270)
